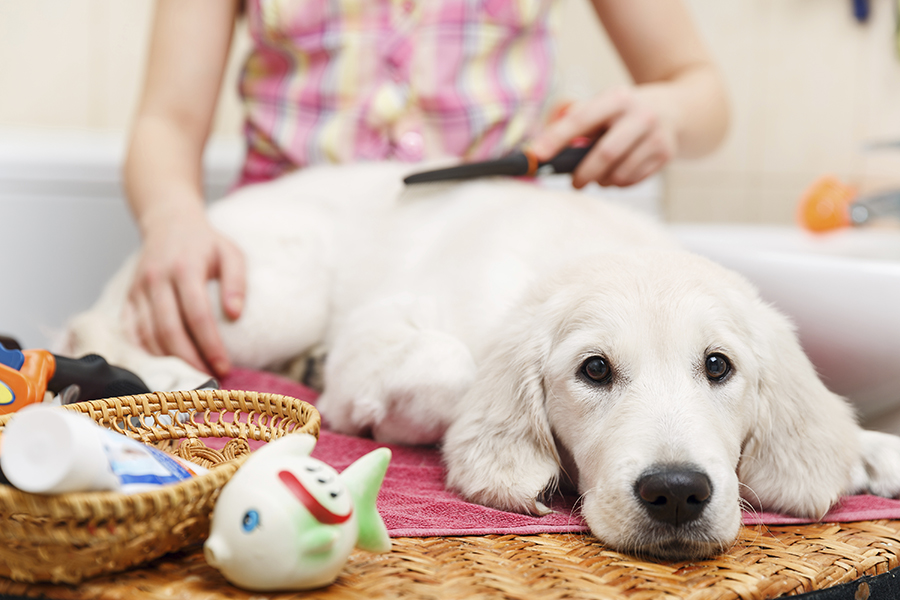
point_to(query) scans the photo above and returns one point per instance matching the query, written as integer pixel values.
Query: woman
(352, 80)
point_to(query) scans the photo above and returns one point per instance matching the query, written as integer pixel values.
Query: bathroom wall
(70, 75)
(809, 86)
(78, 64)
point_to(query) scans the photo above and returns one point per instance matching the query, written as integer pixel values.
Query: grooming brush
(830, 204)
(518, 164)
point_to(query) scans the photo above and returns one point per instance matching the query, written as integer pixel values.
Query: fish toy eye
(251, 521)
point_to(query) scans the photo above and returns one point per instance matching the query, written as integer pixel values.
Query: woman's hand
(638, 137)
(169, 303)
(676, 107)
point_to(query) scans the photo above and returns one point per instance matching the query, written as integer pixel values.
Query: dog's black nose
(673, 495)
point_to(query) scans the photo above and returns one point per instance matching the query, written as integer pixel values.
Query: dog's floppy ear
(500, 450)
(803, 444)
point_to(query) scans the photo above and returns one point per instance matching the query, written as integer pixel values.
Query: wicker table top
(765, 562)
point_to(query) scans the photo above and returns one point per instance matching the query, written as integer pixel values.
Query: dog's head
(668, 390)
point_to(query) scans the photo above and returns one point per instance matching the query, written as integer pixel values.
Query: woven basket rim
(92, 498)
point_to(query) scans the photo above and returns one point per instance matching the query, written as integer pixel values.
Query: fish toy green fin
(363, 480)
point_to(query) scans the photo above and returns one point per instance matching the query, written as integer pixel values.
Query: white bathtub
(65, 225)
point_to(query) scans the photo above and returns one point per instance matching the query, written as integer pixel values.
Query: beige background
(808, 84)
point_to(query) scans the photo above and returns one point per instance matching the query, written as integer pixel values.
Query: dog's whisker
(745, 502)
(579, 502)
(734, 544)
(759, 527)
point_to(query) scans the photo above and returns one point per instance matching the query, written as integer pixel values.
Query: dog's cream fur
(464, 313)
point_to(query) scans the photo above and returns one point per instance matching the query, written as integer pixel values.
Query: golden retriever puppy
(539, 336)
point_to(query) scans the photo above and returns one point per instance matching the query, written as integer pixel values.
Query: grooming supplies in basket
(287, 521)
(25, 376)
(49, 450)
(67, 538)
(831, 204)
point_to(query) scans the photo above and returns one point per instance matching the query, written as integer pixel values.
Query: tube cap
(51, 450)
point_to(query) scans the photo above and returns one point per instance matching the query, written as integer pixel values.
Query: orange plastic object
(557, 113)
(28, 384)
(826, 204)
(559, 110)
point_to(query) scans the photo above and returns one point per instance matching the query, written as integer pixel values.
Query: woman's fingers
(171, 330)
(170, 304)
(582, 119)
(636, 140)
(232, 280)
(199, 322)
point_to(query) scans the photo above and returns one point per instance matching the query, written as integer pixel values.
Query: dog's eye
(717, 366)
(597, 369)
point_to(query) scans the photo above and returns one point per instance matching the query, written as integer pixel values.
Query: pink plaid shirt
(344, 80)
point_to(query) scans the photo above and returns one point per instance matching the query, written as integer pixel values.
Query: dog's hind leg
(288, 246)
(392, 372)
(286, 310)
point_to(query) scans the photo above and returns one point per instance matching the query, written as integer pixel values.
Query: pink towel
(414, 502)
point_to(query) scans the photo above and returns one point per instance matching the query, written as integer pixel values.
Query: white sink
(842, 289)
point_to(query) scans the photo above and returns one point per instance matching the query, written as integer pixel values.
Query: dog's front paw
(521, 493)
(508, 473)
(878, 471)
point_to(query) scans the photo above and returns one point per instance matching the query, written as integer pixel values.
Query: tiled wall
(78, 64)
(808, 85)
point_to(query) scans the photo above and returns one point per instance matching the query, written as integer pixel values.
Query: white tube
(48, 450)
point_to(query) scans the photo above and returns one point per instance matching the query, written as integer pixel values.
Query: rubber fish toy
(287, 521)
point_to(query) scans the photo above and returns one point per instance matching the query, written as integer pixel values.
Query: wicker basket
(70, 537)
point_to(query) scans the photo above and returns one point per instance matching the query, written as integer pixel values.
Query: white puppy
(544, 337)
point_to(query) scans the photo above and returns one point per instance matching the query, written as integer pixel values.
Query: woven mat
(766, 562)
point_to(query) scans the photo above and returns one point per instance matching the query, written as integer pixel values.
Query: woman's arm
(169, 301)
(677, 107)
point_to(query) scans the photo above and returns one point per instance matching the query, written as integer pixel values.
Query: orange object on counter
(559, 111)
(27, 385)
(826, 205)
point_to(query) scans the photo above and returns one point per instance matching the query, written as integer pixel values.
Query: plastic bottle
(50, 450)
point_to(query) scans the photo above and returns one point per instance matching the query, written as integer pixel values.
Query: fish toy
(287, 521)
